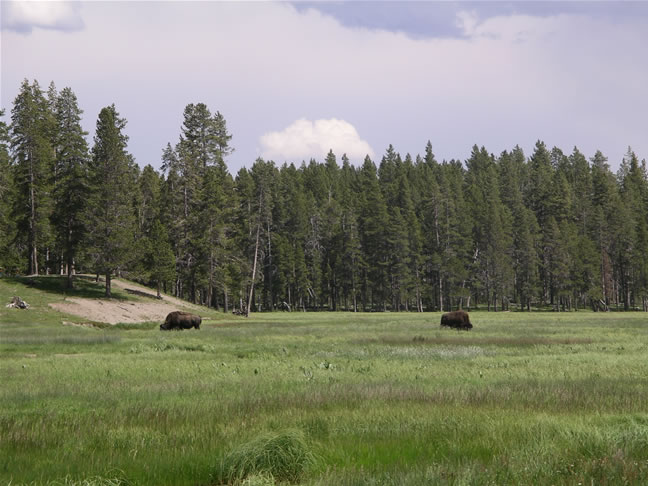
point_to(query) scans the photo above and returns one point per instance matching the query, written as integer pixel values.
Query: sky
(296, 79)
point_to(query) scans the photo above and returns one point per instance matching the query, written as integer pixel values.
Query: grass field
(321, 399)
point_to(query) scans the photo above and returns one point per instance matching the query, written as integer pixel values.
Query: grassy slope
(542, 398)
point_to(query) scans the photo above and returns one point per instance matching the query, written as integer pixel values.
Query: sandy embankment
(115, 311)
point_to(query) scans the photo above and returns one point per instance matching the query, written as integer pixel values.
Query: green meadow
(320, 398)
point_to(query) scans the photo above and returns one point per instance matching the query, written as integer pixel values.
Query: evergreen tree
(351, 258)
(397, 196)
(159, 258)
(634, 192)
(260, 188)
(428, 201)
(491, 226)
(212, 243)
(604, 201)
(456, 252)
(110, 218)
(539, 192)
(150, 199)
(71, 181)
(172, 209)
(33, 154)
(293, 220)
(580, 180)
(512, 170)
(204, 143)
(244, 236)
(9, 261)
(373, 222)
(540, 198)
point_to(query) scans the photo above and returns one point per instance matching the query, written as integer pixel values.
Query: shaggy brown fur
(457, 319)
(181, 320)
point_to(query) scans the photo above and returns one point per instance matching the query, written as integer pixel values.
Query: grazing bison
(457, 319)
(181, 320)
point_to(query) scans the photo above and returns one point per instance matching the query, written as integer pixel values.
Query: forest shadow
(84, 286)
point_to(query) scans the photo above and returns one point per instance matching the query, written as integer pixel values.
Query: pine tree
(556, 243)
(456, 253)
(373, 223)
(204, 144)
(580, 180)
(260, 186)
(351, 258)
(293, 222)
(428, 201)
(212, 242)
(71, 181)
(396, 193)
(585, 272)
(33, 154)
(604, 201)
(9, 260)
(634, 192)
(491, 226)
(243, 237)
(149, 201)
(512, 172)
(540, 198)
(172, 209)
(110, 218)
(539, 192)
(160, 258)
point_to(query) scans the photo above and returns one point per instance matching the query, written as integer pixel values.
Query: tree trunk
(33, 260)
(210, 288)
(272, 296)
(108, 292)
(69, 284)
(69, 261)
(419, 305)
(256, 254)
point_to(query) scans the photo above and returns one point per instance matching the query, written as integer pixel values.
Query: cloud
(24, 16)
(305, 139)
(566, 78)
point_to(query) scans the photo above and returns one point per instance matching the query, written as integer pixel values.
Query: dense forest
(504, 232)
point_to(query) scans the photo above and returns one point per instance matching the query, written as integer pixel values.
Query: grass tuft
(276, 456)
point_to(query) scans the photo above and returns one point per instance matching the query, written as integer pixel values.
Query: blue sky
(296, 79)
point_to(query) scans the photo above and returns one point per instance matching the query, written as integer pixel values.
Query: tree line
(400, 234)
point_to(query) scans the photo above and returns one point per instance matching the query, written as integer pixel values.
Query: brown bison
(180, 320)
(457, 319)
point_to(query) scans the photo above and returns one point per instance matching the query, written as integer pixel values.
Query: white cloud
(23, 16)
(305, 139)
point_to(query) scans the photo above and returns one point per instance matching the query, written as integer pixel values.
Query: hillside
(132, 303)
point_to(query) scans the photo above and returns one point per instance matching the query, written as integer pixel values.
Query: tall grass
(376, 398)
(274, 456)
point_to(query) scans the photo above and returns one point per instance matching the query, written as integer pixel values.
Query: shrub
(277, 456)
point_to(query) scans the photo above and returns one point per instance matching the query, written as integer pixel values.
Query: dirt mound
(115, 311)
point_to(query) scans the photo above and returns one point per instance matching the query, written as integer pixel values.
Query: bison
(457, 319)
(180, 320)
